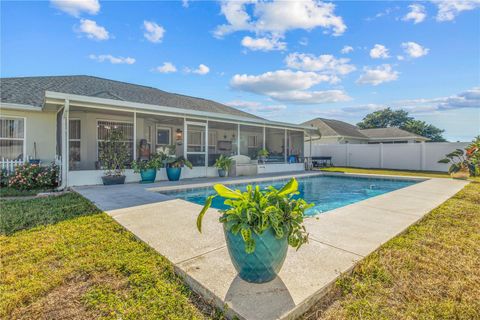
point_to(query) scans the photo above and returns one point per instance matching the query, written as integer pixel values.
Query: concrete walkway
(338, 240)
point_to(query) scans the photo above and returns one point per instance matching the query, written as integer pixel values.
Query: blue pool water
(326, 192)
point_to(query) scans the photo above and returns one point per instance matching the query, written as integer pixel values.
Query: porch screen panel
(275, 144)
(12, 138)
(251, 140)
(74, 143)
(104, 127)
(222, 140)
(295, 146)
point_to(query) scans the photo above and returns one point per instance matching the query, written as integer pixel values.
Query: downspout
(65, 154)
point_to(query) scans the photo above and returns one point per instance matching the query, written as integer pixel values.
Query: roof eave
(59, 97)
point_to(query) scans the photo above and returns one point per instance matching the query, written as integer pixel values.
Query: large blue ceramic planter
(148, 175)
(173, 174)
(264, 263)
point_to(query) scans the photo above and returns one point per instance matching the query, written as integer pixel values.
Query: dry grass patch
(432, 271)
(89, 267)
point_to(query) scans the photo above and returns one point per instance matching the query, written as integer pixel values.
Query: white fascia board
(52, 96)
(17, 106)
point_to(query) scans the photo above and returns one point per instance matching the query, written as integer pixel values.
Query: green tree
(399, 118)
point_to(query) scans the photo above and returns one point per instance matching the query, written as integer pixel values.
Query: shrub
(4, 177)
(32, 176)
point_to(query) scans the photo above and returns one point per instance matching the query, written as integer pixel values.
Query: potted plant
(461, 164)
(174, 167)
(148, 168)
(113, 156)
(262, 155)
(259, 225)
(223, 164)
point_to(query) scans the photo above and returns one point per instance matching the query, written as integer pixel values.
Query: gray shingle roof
(31, 91)
(392, 132)
(330, 127)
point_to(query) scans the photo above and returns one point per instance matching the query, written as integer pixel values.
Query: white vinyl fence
(10, 165)
(406, 156)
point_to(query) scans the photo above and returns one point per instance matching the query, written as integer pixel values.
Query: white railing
(10, 165)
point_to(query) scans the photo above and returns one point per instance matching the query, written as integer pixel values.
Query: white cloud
(153, 32)
(414, 50)
(400, 57)
(253, 106)
(166, 67)
(378, 75)
(466, 99)
(379, 52)
(263, 44)
(185, 3)
(93, 30)
(448, 10)
(325, 63)
(277, 17)
(112, 59)
(346, 49)
(303, 41)
(417, 13)
(201, 70)
(77, 7)
(288, 86)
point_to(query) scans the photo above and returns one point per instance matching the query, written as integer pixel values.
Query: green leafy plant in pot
(223, 164)
(148, 168)
(460, 164)
(113, 156)
(259, 225)
(174, 167)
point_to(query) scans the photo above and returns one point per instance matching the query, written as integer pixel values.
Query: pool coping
(339, 239)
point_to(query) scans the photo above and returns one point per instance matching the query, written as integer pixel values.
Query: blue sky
(286, 61)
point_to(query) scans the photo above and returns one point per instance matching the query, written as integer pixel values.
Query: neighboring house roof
(31, 91)
(390, 133)
(330, 127)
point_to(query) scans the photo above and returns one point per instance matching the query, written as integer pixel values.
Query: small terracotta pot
(463, 173)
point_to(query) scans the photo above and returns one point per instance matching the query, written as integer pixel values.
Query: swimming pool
(326, 192)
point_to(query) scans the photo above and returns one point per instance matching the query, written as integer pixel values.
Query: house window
(164, 136)
(105, 126)
(12, 138)
(252, 141)
(74, 140)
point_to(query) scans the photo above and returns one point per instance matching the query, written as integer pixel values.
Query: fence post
(347, 156)
(381, 155)
(423, 155)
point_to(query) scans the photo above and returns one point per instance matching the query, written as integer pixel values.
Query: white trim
(24, 139)
(169, 135)
(53, 97)
(18, 106)
(238, 139)
(134, 151)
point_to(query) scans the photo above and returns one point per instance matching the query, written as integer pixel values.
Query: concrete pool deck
(338, 240)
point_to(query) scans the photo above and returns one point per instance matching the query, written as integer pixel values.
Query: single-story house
(335, 131)
(67, 117)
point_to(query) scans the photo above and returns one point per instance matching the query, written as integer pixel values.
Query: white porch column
(264, 140)
(206, 149)
(134, 135)
(285, 143)
(238, 139)
(185, 133)
(65, 143)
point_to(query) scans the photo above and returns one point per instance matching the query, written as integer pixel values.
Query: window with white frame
(164, 136)
(104, 127)
(74, 140)
(12, 138)
(252, 141)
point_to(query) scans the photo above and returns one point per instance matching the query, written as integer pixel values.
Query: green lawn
(86, 266)
(432, 271)
(432, 174)
(11, 192)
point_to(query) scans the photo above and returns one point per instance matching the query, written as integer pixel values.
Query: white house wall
(40, 128)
